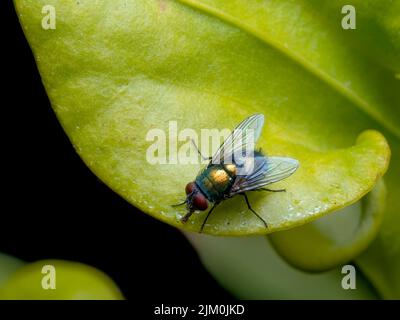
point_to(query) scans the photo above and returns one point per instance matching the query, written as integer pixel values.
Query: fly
(235, 169)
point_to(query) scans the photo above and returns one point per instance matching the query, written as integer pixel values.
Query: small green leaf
(72, 281)
(114, 70)
(335, 239)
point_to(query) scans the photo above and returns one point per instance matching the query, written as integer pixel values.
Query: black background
(53, 207)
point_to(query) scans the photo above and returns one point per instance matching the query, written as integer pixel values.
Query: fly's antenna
(179, 204)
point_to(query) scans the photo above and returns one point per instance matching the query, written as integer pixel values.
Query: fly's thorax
(216, 180)
(219, 177)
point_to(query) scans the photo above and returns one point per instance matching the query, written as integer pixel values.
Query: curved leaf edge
(325, 258)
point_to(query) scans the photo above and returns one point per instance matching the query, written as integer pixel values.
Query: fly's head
(195, 200)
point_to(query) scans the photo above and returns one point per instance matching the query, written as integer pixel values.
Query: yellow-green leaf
(116, 69)
(65, 280)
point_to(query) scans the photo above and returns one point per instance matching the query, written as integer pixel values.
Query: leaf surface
(115, 70)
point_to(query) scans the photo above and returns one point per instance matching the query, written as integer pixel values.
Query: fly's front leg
(199, 152)
(251, 209)
(208, 214)
(270, 190)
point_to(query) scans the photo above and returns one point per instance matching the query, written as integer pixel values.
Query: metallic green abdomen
(215, 181)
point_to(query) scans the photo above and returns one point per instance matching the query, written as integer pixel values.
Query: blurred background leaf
(251, 269)
(73, 281)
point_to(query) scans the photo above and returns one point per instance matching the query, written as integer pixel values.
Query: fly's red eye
(189, 187)
(200, 202)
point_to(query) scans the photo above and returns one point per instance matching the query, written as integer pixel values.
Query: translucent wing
(264, 171)
(241, 141)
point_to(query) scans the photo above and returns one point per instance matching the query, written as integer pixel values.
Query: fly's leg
(186, 217)
(199, 152)
(251, 209)
(205, 220)
(270, 190)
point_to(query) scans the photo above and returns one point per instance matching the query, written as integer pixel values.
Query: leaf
(335, 239)
(381, 261)
(73, 281)
(115, 70)
(377, 34)
(250, 269)
(303, 29)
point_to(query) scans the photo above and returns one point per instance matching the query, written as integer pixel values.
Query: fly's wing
(264, 171)
(241, 141)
